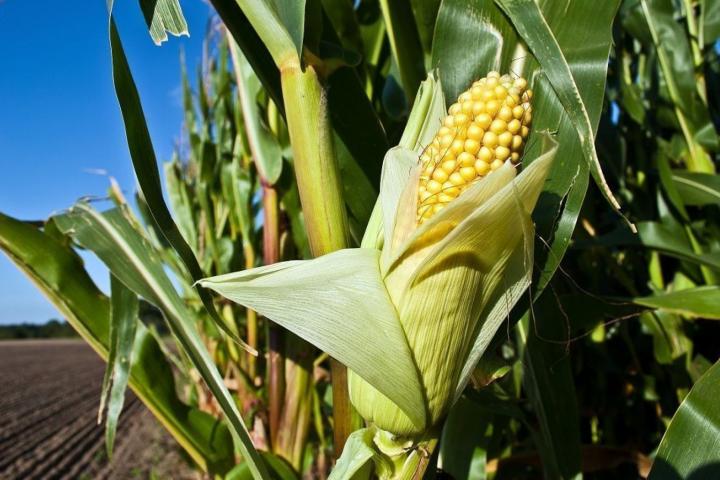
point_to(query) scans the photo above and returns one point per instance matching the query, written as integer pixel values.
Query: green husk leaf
(336, 302)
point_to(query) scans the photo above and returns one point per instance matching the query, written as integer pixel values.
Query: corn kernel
(498, 126)
(440, 175)
(481, 167)
(490, 139)
(475, 132)
(483, 120)
(502, 153)
(466, 159)
(505, 139)
(468, 173)
(485, 154)
(484, 128)
(472, 146)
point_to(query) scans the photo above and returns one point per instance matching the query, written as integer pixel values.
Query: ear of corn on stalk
(441, 283)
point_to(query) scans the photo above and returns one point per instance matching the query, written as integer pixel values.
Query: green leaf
(146, 170)
(691, 446)
(710, 22)
(465, 441)
(279, 24)
(132, 260)
(678, 71)
(163, 17)
(123, 325)
(264, 146)
(696, 188)
(405, 44)
(703, 302)
(58, 273)
(548, 381)
(336, 302)
(280, 469)
(181, 203)
(535, 31)
(657, 236)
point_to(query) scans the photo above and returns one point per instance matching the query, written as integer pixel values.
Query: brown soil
(49, 396)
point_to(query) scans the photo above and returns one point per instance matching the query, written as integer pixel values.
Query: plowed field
(49, 395)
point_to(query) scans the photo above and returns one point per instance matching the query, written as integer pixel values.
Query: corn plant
(366, 215)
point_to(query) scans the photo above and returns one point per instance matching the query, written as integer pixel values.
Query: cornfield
(415, 239)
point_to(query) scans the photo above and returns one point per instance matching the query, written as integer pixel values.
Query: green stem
(276, 360)
(251, 316)
(318, 179)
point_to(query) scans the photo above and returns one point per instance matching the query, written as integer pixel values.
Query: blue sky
(59, 120)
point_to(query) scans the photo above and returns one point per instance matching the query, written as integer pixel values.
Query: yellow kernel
(524, 131)
(501, 153)
(517, 142)
(475, 132)
(449, 189)
(454, 109)
(467, 108)
(457, 146)
(478, 108)
(445, 198)
(505, 139)
(487, 95)
(527, 96)
(527, 118)
(490, 139)
(433, 187)
(492, 107)
(429, 168)
(468, 173)
(445, 131)
(465, 96)
(512, 100)
(437, 207)
(483, 120)
(496, 164)
(466, 159)
(520, 83)
(498, 126)
(449, 121)
(476, 93)
(424, 158)
(492, 74)
(446, 140)
(492, 82)
(439, 175)
(485, 154)
(481, 167)
(425, 197)
(515, 156)
(456, 179)
(505, 113)
(461, 119)
(514, 126)
(500, 92)
(448, 165)
(472, 146)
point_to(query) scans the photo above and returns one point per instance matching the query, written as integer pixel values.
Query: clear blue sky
(59, 119)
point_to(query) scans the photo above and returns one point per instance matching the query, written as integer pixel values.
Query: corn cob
(486, 127)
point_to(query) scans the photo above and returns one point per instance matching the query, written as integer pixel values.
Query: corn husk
(412, 312)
